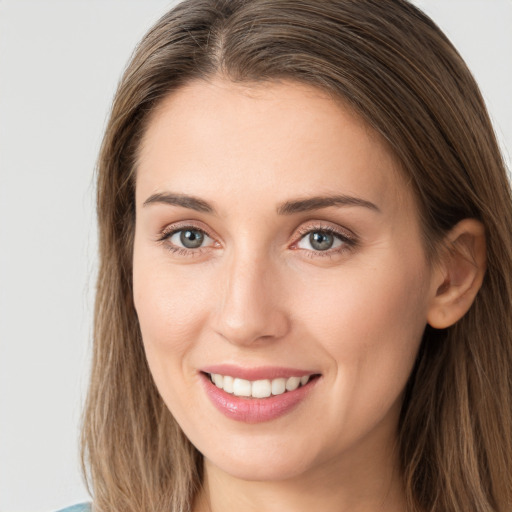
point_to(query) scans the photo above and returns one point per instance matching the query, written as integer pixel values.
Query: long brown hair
(399, 72)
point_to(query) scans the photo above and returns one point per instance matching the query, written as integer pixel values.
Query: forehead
(286, 137)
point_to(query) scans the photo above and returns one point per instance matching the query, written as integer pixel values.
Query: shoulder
(82, 507)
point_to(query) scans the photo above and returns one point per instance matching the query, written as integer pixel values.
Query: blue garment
(82, 507)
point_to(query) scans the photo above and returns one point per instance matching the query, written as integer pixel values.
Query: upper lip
(257, 373)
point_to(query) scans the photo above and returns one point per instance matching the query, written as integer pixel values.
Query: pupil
(321, 241)
(191, 239)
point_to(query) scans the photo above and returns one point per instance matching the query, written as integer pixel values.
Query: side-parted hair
(394, 67)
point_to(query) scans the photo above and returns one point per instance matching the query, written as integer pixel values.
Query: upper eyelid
(320, 226)
(182, 225)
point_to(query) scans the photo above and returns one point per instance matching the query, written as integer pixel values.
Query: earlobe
(459, 275)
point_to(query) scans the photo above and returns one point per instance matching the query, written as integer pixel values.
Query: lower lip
(255, 410)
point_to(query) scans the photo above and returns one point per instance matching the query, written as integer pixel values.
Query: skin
(257, 294)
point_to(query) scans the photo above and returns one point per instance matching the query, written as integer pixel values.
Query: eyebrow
(316, 203)
(182, 200)
(286, 208)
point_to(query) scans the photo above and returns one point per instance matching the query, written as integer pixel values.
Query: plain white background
(60, 61)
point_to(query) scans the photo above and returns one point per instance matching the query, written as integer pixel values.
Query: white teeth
(278, 386)
(303, 380)
(258, 388)
(227, 385)
(261, 389)
(292, 383)
(242, 387)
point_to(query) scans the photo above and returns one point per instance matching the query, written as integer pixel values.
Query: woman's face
(276, 240)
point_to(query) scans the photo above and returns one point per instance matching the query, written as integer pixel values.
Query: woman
(305, 282)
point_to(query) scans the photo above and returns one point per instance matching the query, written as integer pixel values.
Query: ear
(459, 274)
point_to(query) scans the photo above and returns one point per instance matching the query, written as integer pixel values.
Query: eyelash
(169, 231)
(348, 239)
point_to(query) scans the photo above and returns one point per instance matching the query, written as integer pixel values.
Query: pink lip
(259, 373)
(255, 410)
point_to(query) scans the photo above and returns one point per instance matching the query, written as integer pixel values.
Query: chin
(261, 470)
(252, 462)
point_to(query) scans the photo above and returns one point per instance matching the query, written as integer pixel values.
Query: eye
(319, 241)
(325, 240)
(189, 238)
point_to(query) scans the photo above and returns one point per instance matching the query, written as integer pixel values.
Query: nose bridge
(248, 308)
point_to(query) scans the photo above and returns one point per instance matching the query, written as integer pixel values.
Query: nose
(250, 309)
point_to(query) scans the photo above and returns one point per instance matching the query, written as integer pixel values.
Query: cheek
(163, 314)
(171, 306)
(369, 324)
(365, 307)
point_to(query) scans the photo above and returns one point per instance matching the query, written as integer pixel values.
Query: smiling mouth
(263, 388)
